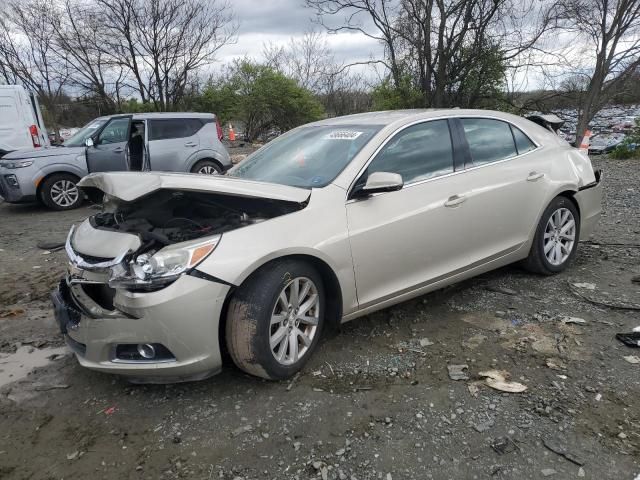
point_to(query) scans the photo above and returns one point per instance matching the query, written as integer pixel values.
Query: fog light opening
(146, 351)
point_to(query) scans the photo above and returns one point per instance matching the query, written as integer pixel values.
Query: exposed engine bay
(168, 225)
(168, 217)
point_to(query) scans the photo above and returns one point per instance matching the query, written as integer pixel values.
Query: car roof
(390, 117)
(166, 115)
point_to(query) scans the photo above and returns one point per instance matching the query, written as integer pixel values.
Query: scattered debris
(483, 426)
(635, 279)
(474, 342)
(503, 445)
(110, 411)
(293, 380)
(631, 339)
(497, 379)
(52, 246)
(73, 456)
(425, 342)
(458, 372)
(634, 359)
(46, 388)
(241, 430)
(619, 305)
(556, 364)
(11, 312)
(561, 450)
(576, 320)
(587, 286)
(499, 289)
(547, 472)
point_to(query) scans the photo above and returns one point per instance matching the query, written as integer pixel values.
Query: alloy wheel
(559, 236)
(294, 321)
(208, 170)
(64, 193)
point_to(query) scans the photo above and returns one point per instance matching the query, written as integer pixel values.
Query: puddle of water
(17, 365)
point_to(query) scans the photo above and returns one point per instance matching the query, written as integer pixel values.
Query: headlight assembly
(163, 266)
(17, 164)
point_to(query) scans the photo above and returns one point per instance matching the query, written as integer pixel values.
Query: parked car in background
(21, 124)
(604, 144)
(326, 223)
(170, 142)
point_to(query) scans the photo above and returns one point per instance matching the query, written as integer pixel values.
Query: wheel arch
(209, 157)
(49, 175)
(329, 278)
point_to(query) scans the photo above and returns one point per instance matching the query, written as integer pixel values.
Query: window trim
(174, 119)
(460, 147)
(96, 136)
(455, 149)
(471, 165)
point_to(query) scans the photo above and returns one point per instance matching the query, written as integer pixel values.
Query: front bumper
(13, 189)
(184, 317)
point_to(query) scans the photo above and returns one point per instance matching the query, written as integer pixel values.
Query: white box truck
(21, 124)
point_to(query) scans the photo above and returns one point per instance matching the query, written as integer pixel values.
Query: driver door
(109, 150)
(400, 240)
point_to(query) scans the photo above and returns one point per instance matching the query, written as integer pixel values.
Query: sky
(277, 21)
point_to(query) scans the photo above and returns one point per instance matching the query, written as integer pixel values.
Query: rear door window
(417, 153)
(173, 128)
(489, 140)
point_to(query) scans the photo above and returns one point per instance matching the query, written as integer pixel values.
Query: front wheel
(60, 192)
(275, 320)
(556, 239)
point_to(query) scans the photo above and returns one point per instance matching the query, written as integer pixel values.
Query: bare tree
(449, 50)
(611, 29)
(80, 35)
(162, 43)
(28, 53)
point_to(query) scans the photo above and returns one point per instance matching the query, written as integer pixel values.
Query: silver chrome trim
(465, 169)
(77, 260)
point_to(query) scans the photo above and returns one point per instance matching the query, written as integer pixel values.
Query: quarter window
(417, 153)
(116, 131)
(489, 140)
(174, 128)
(523, 143)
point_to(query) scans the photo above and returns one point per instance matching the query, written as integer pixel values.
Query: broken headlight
(163, 266)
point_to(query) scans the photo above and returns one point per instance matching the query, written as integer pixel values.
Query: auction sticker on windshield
(342, 135)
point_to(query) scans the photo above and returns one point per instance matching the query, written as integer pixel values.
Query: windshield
(85, 132)
(308, 157)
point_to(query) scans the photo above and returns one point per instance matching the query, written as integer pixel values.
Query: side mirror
(88, 142)
(380, 182)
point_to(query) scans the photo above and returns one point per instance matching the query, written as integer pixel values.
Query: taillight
(219, 130)
(35, 138)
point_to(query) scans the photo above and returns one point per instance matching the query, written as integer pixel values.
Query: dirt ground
(375, 402)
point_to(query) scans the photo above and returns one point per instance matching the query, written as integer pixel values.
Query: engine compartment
(166, 217)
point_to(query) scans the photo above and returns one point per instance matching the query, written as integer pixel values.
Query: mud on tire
(249, 327)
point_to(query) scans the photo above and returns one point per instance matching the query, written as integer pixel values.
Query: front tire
(207, 167)
(275, 320)
(556, 239)
(60, 192)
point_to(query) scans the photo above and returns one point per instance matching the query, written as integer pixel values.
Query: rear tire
(60, 192)
(556, 240)
(207, 167)
(268, 333)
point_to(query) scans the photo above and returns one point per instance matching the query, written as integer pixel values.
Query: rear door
(172, 142)
(505, 187)
(109, 151)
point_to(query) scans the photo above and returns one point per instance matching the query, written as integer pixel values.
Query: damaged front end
(163, 235)
(133, 302)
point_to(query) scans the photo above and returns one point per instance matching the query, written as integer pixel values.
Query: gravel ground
(375, 402)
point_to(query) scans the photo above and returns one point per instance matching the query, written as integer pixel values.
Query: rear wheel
(275, 320)
(60, 192)
(556, 240)
(207, 167)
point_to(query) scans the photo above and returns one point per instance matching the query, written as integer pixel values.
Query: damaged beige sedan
(329, 222)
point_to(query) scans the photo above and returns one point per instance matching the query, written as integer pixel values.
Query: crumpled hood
(129, 186)
(42, 152)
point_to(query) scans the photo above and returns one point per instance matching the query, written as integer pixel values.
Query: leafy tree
(261, 98)
(630, 147)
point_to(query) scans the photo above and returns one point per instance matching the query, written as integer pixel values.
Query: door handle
(455, 200)
(190, 144)
(118, 150)
(534, 176)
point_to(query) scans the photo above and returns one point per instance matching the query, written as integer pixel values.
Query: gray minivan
(170, 142)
